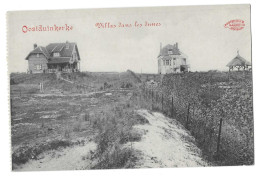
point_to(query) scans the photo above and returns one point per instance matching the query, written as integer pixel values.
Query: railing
(63, 70)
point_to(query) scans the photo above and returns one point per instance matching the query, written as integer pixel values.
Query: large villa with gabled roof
(54, 57)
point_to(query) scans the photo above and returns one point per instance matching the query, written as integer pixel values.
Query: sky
(199, 31)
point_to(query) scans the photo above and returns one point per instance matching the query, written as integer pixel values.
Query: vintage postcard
(149, 87)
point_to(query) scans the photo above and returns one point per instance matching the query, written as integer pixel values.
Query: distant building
(239, 63)
(54, 57)
(172, 60)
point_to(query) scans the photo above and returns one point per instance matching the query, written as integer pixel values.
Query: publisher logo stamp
(235, 25)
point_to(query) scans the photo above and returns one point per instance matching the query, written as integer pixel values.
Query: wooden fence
(158, 101)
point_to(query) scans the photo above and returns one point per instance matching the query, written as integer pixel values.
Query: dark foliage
(200, 100)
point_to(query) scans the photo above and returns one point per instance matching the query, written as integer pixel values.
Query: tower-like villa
(172, 60)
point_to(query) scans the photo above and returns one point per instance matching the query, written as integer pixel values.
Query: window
(170, 51)
(164, 62)
(167, 62)
(38, 67)
(174, 58)
(170, 62)
(56, 54)
(184, 60)
(38, 55)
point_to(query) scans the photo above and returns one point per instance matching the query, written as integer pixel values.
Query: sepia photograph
(131, 88)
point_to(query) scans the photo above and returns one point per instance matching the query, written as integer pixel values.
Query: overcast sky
(199, 31)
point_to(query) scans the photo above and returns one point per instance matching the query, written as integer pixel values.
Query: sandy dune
(166, 144)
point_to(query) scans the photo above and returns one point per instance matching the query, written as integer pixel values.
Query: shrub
(12, 81)
(114, 126)
(25, 153)
(209, 97)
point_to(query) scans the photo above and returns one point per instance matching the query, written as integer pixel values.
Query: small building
(239, 63)
(54, 57)
(172, 60)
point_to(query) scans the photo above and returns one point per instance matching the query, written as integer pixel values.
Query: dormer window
(57, 54)
(170, 51)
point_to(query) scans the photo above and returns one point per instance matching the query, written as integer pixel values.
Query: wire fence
(218, 112)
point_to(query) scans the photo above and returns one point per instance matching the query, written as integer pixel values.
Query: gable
(39, 50)
(33, 56)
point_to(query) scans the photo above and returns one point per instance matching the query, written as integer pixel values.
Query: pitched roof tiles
(65, 50)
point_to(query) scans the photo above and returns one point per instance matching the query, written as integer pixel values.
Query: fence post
(188, 113)
(162, 102)
(152, 99)
(142, 93)
(219, 135)
(41, 87)
(172, 106)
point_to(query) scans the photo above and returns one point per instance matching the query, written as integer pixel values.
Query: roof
(165, 50)
(61, 48)
(238, 61)
(65, 50)
(38, 50)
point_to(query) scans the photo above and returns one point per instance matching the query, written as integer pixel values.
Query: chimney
(34, 46)
(177, 46)
(67, 45)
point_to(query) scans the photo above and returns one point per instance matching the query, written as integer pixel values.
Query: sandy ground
(72, 158)
(166, 143)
